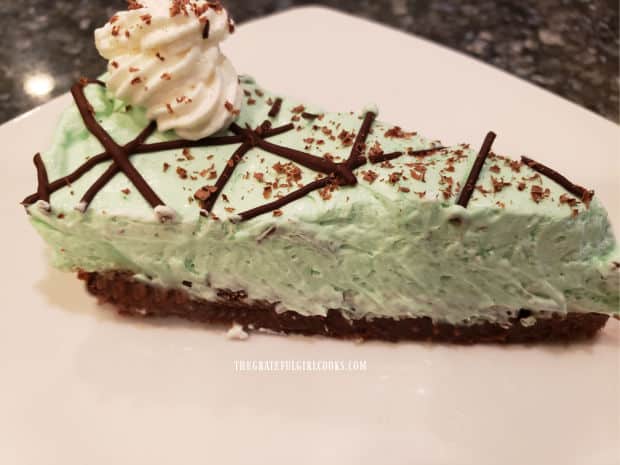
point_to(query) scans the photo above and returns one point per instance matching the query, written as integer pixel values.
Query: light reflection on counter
(39, 85)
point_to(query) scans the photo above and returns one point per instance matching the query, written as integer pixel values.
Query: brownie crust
(136, 298)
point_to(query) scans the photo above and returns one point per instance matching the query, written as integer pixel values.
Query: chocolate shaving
(583, 194)
(205, 31)
(476, 169)
(539, 194)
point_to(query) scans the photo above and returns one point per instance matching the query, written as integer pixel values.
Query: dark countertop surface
(569, 47)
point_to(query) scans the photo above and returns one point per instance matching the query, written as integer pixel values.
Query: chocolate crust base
(140, 299)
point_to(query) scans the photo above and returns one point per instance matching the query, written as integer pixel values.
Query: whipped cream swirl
(165, 55)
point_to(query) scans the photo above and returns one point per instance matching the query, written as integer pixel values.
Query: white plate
(81, 386)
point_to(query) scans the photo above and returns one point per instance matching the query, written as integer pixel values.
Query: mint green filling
(373, 250)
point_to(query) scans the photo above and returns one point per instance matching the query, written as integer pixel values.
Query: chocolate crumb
(326, 192)
(515, 166)
(369, 176)
(568, 200)
(202, 194)
(398, 133)
(538, 194)
(499, 184)
(347, 138)
(231, 108)
(418, 172)
(395, 177)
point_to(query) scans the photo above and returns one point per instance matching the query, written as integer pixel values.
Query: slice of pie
(175, 189)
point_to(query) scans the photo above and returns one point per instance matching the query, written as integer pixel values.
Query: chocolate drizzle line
(42, 180)
(225, 176)
(360, 140)
(85, 81)
(312, 162)
(292, 197)
(476, 169)
(337, 173)
(140, 149)
(341, 173)
(583, 194)
(375, 159)
(120, 156)
(113, 169)
(426, 152)
(275, 109)
(136, 146)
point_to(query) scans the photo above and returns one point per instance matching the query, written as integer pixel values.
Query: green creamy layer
(389, 246)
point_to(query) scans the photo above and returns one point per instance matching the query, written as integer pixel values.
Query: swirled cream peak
(165, 56)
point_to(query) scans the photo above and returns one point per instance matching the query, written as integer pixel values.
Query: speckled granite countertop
(567, 46)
